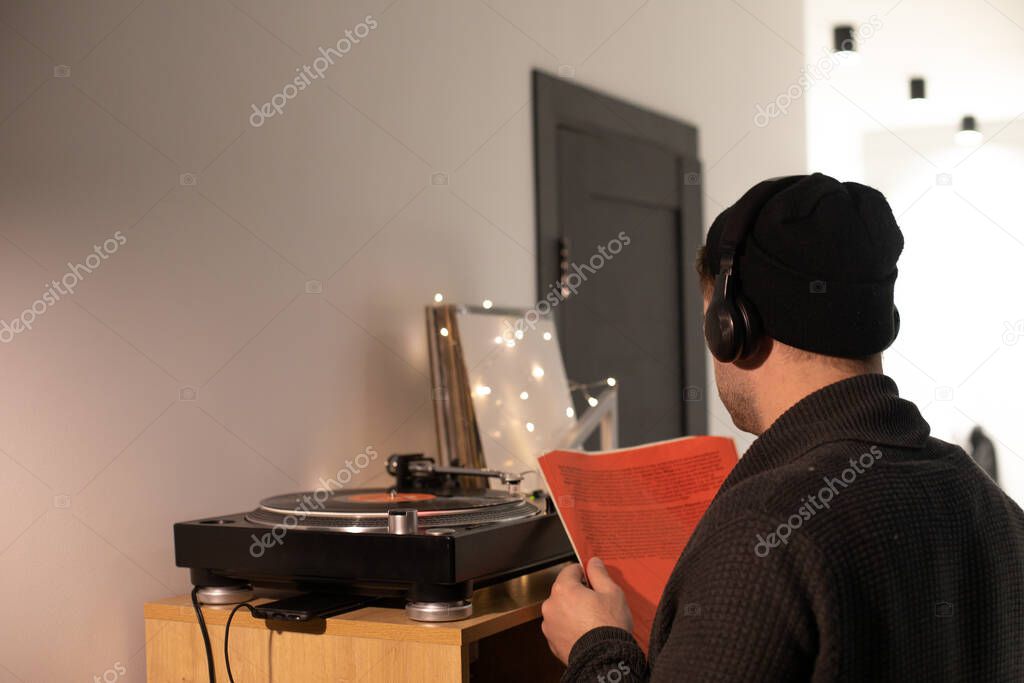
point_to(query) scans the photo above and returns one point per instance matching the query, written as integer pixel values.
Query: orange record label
(384, 497)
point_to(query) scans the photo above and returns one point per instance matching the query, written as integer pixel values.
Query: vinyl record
(382, 500)
(367, 509)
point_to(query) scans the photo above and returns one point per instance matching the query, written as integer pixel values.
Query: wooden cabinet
(501, 642)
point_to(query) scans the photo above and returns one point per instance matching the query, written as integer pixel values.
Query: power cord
(227, 631)
(206, 637)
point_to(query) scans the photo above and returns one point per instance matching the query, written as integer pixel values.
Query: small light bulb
(592, 401)
(538, 371)
(488, 303)
(439, 297)
(519, 334)
(510, 343)
(530, 427)
(498, 340)
(524, 395)
(611, 381)
(547, 336)
(483, 390)
(444, 331)
(569, 412)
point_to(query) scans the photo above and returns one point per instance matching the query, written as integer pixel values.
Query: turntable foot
(224, 595)
(219, 590)
(439, 611)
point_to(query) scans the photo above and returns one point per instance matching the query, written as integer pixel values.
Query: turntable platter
(367, 509)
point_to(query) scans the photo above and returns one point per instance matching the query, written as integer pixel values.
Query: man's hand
(573, 609)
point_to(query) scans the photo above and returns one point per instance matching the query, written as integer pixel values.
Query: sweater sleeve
(728, 614)
(603, 650)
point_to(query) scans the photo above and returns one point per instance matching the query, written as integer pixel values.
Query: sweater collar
(865, 408)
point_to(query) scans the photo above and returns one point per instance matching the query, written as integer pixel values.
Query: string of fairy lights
(584, 388)
(537, 372)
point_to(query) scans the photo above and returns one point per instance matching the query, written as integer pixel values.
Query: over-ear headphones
(731, 325)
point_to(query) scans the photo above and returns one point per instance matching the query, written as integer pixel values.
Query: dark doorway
(619, 225)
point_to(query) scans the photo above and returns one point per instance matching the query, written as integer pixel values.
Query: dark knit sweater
(901, 561)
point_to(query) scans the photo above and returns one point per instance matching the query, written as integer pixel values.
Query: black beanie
(818, 263)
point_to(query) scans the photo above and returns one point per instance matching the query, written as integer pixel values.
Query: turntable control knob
(403, 522)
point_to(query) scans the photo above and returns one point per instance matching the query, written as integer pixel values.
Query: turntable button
(440, 532)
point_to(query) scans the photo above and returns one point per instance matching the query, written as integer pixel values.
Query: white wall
(960, 283)
(102, 445)
(961, 346)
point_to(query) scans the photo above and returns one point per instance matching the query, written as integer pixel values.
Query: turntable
(441, 530)
(426, 539)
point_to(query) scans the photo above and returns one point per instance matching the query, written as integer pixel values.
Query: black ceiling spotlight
(917, 88)
(844, 42)
(968, 135)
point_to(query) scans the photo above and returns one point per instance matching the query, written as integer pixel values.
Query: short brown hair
(704, 269)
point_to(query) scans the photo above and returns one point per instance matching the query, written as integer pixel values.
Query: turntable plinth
(501, 641)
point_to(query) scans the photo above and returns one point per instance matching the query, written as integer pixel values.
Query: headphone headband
(731, 325)
(740, 217)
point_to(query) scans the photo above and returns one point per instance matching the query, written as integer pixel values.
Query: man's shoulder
(838, 467)
(829, 491)
(776, 491)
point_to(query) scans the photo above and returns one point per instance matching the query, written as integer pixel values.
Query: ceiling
(971, 53)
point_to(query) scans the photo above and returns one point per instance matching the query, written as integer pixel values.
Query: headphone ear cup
(749, 323)
(712, 331)
(724, 337)
(895, 323)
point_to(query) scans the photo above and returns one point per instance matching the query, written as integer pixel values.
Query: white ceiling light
(917, 89)
(844, 44)
(968, 135)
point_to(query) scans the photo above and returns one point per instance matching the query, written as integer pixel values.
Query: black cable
(227, 630)
(206, 636)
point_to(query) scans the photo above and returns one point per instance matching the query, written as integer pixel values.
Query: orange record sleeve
(636, 508)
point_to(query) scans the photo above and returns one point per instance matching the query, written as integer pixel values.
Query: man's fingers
(598, 575)
(567, 578)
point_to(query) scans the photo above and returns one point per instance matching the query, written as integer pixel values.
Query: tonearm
(414, 472)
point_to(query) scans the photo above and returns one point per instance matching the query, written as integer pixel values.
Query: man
(846, 545)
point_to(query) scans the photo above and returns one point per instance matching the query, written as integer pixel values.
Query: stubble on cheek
(736, 395)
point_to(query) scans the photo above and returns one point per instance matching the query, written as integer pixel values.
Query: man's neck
(794, 384)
